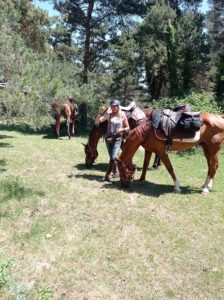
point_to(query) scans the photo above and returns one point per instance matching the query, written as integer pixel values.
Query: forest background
(158, 53)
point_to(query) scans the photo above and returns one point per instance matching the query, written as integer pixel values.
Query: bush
(199, 102)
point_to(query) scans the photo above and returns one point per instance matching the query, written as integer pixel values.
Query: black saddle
(180, 121)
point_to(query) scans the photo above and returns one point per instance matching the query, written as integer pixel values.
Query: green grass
(73, 236)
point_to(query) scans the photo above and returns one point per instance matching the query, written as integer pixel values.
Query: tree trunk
(86, 60)
(155, 82)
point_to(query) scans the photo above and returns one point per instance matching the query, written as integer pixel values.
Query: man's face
(114, 108)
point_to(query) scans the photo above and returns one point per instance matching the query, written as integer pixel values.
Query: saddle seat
(169, 121)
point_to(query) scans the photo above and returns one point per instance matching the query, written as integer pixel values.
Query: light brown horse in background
(69, 111)
(211, 140)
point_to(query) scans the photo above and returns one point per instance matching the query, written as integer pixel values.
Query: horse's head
(91, 155)
(90, 148)
(126, 172)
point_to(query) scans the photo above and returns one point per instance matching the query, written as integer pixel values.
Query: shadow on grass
(28, 130)
(46, 130)
(12, 189)
(5, 145)
(96, 167)
(90, 177)
(150, 189)
(2, 165)
(3, 136)
(145, 188)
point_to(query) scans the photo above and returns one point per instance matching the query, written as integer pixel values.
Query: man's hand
(119, 130)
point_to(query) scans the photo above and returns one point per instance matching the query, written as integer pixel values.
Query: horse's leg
(213, 166)
(68, 122)
(145, 165)
(165, 159)
(57, 126)
(207, 156)
(73, 127)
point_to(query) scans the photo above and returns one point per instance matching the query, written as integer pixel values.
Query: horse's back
(214, 120)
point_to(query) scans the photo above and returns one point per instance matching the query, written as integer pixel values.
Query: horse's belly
(179, 146)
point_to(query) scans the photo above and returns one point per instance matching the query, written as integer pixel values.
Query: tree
(126, 72)
(172, 60)
(91, 24)
(216, 30)
(192, 52)
(33, 24)
(152, 39)
(219, 89)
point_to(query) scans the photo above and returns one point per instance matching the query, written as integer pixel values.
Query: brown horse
(99, 131)
(69, 111)
(211, 139)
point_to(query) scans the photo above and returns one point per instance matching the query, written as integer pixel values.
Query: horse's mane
(97, 130)
(140, 131)
(148, 112)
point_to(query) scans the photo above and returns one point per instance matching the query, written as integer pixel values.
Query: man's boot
(108, 175)
(156, 164)
(115, 170)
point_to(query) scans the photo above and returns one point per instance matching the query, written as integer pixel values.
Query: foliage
(45, 294)
(220, 80)
(33, 80)
(192, 53)
(5, 265)
(94, 54)
(198, 102)
(152, 39)
(126, 71)
(172, 59)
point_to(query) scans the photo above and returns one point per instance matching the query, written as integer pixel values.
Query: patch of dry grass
(73, 236)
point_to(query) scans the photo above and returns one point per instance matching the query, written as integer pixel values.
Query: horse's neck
(95, 134)
(148, 112)
(133, 142)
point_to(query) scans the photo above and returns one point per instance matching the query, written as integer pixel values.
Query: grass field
(67, 234)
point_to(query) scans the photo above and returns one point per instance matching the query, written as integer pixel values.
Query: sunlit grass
(73, 236)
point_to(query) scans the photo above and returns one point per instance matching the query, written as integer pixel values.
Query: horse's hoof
(177, 191)
(141, 179)
(205, 191)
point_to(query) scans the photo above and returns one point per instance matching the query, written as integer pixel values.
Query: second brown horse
(210, 139)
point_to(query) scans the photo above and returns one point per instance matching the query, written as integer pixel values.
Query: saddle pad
(156, 118)
(184, 137)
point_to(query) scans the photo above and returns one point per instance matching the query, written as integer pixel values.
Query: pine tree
(172, 59)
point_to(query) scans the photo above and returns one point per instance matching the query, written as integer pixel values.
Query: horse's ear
(84, 144)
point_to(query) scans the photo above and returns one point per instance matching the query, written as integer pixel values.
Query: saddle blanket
(193, 139)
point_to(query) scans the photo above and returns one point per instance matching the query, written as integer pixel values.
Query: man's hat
(115, 102)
